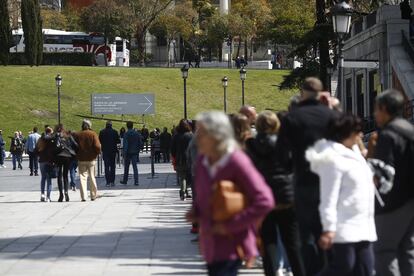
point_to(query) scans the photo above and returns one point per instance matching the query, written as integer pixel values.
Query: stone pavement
(128, 231)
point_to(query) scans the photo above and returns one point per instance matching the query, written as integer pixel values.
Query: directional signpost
(122, 104)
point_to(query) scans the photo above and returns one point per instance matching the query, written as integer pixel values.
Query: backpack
(67, 144)
(58, 144)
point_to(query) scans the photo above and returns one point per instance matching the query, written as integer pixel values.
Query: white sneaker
(3, 166)
(42, 198)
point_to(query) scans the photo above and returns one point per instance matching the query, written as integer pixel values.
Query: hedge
(73, 59)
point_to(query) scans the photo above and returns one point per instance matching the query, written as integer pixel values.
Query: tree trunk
(105, 51)
(238, 47)
(246, 50)
(251, 50)
(5, 34)
(140, 35)
(168, 52)
(220, 52)
(323, 42)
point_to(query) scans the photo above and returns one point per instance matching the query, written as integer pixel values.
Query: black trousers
(63, 164)
(33, 162)
(286, 221)
(351, 259)
(166, 155)
(110, 167)
(224, 268)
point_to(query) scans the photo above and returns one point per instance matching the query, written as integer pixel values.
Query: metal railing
(408, 46)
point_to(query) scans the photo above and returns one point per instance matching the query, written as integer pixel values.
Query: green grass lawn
(28, 94)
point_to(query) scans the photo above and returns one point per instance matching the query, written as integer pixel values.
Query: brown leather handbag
(227, 200)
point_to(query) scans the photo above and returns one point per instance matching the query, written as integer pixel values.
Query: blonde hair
(267, 122)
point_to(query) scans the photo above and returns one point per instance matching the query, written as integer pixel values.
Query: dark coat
(2, 143)
(262, 151)
(132, 142)
(165, 140)
(393, 148)
(109, 139)
(300, 129)
(45, 150)
(16, 146)
(179, 146)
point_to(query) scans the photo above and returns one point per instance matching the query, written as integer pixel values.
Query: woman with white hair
(225, 243)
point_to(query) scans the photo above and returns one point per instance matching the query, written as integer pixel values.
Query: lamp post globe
(341, 18)
(184, 71)
(58, 80)
(243, 73)
(224, 81)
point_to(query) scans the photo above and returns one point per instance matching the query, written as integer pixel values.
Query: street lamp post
(224, 81)
(58, 80)
(184, 74)
(341, 19)
(243, 73)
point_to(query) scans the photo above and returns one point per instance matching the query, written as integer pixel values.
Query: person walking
(165, 143)
(65, 151)
(347, 199)
(225, 244)
(109, 139)
(145, 137)
(2, 152)
(300, 129)
(89, 149)
(30, 149)
(16, 150)
(46, 151)
(394, 250)
(179, 146)
(262, 151)
(132, 146)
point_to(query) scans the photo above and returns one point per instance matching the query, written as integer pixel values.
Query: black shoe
(123, 182)
(14, 169)
(36, 174)
(182, 197)
(136, 184)
(108, 185)
(31, 174)
(60, 198)
(66, 196)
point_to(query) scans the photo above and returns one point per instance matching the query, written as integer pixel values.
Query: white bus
(61, 41)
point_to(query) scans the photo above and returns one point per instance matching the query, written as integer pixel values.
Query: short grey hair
(86, 124)
(218, 125)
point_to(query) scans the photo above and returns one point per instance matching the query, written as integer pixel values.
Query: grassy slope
(24, 89)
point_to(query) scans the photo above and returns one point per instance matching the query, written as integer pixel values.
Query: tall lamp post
(243, 73)
(224, 81)
(58, 80)
(184, 74)
(341, 19)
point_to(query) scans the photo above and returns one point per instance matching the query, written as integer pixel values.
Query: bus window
(97, 40)
(119, 46)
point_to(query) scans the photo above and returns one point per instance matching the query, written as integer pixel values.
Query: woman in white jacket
(346, 199)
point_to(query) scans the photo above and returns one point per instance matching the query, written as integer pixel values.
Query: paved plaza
(128, 231)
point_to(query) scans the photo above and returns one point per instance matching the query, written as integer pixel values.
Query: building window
(360, 86)
(348, 94)
(374, 87)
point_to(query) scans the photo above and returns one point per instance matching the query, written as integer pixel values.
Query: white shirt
(347, 191)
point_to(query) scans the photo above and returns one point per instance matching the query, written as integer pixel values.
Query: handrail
(408, 46)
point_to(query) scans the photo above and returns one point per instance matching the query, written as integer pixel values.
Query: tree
(32, 28)
(107, 17)
(143, 13)
(5, 33)
(53, 19)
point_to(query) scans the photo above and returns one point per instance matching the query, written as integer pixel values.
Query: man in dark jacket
(109, 139)
(300, 129)
(2, 153)
(165, 144)
(394, 250)
(132, 146)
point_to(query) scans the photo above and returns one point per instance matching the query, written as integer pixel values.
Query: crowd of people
(303, 186)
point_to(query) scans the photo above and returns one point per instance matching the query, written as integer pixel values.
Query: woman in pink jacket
(221, 159)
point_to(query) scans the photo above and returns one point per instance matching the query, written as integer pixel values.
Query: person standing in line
(300, 129)
(89, 149)
(242, 130)
(145, 137)
(109, 139)
(65, 151)
(45, 150)
(2, 152)
(394, 250)
(30, 149)
(179, 146)
(251, 114)
(347, 199)
(262, 151)
(16, 149)
(165, 141)
(132, 147)
(224, 245)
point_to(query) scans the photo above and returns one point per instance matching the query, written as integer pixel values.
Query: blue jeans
(33, 162)
(72, 172)
(131, 158)
(17, 158)
(2, 156)
(44, 170)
